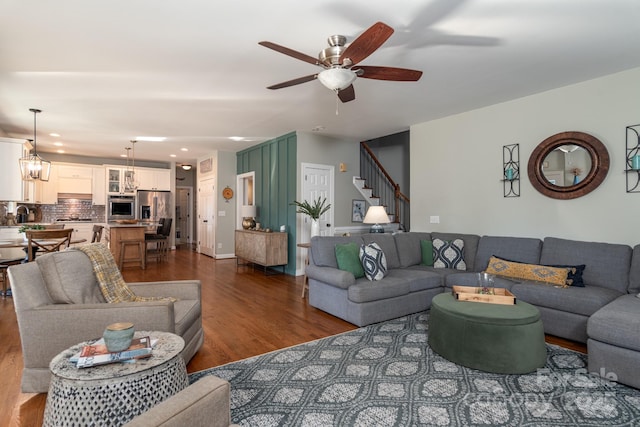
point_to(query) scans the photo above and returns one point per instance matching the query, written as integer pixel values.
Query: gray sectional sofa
(605, 313)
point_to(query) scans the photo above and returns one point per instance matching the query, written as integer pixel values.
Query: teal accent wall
(274, 163)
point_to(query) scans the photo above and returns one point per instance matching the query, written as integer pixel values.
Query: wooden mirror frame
(599, 165)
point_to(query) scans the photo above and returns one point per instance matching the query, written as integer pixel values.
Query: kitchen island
(117, 232)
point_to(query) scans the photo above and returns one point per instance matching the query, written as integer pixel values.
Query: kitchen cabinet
(46, 192)
(115, 177)
(12, 187)
(153, 179)
(98, 186)
(75, 179)
(81, 230)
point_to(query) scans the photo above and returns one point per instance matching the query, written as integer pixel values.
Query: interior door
(183, 215)
(206, 218)
(317, 181)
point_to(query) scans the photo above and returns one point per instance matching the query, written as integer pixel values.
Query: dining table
(11, 249)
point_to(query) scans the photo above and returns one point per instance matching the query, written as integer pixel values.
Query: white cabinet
(46, 192)
(82, 231)
(153, 179)
(115, 177)
(75, 179)
(98, 186)
(12, 187)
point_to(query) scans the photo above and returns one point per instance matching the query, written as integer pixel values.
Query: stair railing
(384, 187)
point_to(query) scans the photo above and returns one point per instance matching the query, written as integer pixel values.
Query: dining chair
(97, 233)
(53, 226)
(47, 240)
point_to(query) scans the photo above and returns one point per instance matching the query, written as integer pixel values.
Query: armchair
(58, 304)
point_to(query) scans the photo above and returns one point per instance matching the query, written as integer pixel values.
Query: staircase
(378, 188)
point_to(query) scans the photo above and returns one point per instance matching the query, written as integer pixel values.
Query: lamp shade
(336, 78)
(248, 211)
(376, 215)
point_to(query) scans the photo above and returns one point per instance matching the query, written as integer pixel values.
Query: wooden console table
(262, 248)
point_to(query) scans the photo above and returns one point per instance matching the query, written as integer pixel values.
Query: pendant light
(130, 182)
(32, 166)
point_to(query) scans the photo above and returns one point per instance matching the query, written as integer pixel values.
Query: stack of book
(97, 353)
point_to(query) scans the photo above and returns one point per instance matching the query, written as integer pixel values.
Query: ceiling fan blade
(294, 82)
(347, 94)
(388, 73)
(290, 52)
(367, 43)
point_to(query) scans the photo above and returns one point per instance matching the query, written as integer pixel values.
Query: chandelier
(32, 166)
(130, 181)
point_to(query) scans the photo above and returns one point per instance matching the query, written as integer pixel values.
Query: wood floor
(245, 313)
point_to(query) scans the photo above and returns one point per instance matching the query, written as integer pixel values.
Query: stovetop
(73, 219)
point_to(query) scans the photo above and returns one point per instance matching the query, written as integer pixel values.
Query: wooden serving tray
(470, 293)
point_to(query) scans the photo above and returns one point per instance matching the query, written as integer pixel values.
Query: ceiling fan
(340, 62)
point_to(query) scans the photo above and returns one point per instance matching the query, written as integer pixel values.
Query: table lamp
(248, 213)
(376, 215)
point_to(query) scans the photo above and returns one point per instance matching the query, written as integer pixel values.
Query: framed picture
(357, 210)
(206, 165)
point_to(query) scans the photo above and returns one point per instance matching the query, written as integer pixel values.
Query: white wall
(456, 165)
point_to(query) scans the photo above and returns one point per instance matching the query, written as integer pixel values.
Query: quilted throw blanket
(112, 284)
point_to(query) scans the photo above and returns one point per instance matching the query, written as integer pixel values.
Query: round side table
(111, 395)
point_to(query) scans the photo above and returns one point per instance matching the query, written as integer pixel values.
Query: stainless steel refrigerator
(153, 205)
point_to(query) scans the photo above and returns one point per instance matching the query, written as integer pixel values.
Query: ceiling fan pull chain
(337, 103)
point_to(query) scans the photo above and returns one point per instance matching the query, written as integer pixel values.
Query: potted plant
(25, 227)
(313, 210)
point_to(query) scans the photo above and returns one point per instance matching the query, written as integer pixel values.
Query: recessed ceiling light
(236, 138)
(58, 144)
(151, 138)
(172, 155)
(184, 149)
(60, 151)
(55, 135)
(123, 155)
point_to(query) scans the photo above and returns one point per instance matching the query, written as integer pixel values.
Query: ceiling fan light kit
(339, 58)
(336, 79)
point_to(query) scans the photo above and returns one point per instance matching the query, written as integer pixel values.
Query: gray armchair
(203, 403)
(58, 304)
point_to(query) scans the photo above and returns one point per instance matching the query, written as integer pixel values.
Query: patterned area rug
(386, 375)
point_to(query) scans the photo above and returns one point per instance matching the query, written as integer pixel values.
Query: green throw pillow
(426, 246)
(348, 257)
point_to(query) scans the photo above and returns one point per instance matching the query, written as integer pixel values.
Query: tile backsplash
(73, 208)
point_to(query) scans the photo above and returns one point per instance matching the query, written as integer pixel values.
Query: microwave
(121, 207)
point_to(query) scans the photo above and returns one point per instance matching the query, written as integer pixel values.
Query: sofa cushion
(323, 252)
(583, 301)
(366, 291)
(347, 256)
(530, 272)
(408, 247)
(522, 249)
(617, 323)
(426, 248)
(69, 278)
(607, 264)
(418, 280)
(373, 260)
(449, 254)
(387, 243)
(634, 273)
(470, 246)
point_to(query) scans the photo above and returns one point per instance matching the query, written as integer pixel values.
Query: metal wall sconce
(511, 170)
(632, 170)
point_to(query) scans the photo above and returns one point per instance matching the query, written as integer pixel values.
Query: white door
(317, 181)
(206, 218)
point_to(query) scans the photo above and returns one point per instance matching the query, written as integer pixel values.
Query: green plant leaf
(314, 210)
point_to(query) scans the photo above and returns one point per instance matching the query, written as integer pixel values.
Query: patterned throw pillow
(537, 273)
(448, 254)
(374, 263)
(574, 273)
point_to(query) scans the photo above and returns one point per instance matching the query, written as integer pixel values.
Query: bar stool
(141, 254)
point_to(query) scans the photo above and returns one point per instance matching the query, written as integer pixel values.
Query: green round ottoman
(505, 339)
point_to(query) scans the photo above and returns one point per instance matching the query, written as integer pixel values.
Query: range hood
(76, 196)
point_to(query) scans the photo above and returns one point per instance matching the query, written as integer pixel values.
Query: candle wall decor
(632, 170)
(511, 170)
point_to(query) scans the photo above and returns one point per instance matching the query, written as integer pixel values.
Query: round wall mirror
(568, 165)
